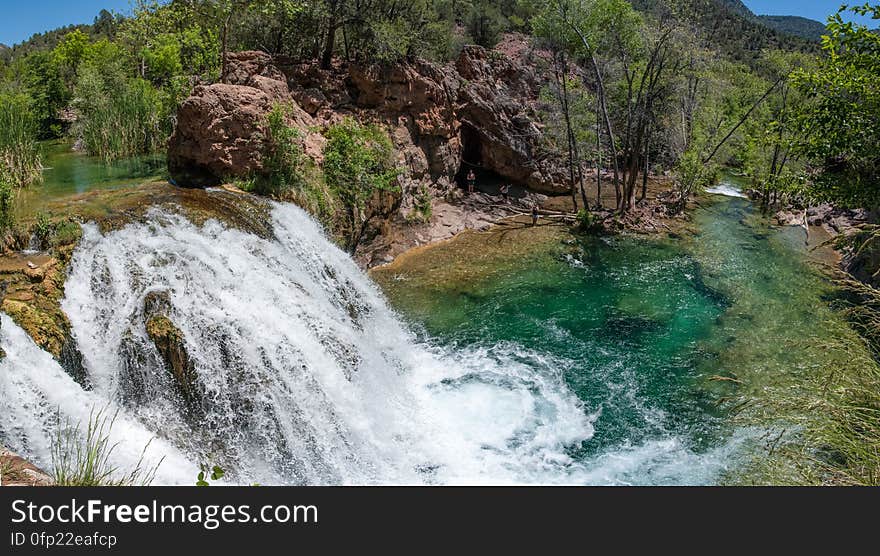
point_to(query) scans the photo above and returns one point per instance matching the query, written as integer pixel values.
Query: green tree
(357, 165)
(839, 130)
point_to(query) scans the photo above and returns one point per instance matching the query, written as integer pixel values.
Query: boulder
(16, 471)
(221, 128)
(219, 135)
(171, 345)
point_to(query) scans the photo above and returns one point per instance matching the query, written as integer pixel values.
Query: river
(492, 359)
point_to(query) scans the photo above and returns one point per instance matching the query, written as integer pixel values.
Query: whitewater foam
(726, 189)
(307, 377)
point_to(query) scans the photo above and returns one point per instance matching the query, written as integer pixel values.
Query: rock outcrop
(481, 111)
(16, 471)
(221, 127)
(33, 286)
(170, 343)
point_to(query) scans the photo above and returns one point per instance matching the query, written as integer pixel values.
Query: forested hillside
(809, 29)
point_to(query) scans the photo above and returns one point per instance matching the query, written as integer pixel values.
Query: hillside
(737, 6)
(44, 41)
(809, 29)
(728, 27)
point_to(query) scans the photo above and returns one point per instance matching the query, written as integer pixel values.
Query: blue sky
(22, 18)
(813, 9)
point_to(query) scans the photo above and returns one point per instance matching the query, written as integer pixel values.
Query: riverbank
(758, 337)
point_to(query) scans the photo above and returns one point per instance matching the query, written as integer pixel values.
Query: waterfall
(304, 374)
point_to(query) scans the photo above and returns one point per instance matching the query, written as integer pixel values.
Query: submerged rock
(171, 345)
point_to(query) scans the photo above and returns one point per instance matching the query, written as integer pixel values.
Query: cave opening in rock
(488, 181)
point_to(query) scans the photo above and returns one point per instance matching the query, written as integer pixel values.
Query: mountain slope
(728, 27)
(737, 6)
(809, 29)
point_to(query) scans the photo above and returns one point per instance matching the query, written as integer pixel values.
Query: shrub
(283, 157)
(587, 222)
(43, 228)
(423, 206)
(358, 164)
(7, 204)
(692, 175)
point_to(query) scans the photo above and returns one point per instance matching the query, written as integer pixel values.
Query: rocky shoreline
(845, 228)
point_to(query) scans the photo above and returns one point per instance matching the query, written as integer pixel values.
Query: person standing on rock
(505, 192)
(534, 214)
(471, 180)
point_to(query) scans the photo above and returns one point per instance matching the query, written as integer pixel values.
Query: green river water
(643, 329)
(69, 173)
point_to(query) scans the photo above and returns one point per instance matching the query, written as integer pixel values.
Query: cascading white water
(305, 375)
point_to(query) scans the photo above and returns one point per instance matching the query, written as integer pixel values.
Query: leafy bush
(423, 207)
(283, 157)
(692, 175)
(358, 164)
(43, 228)
(587, 222)
(7, 202)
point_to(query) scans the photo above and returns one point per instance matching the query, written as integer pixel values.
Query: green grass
(825, 428)
(6, 471)
(81, 457)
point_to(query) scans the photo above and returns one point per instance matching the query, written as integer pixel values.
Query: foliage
(20, 160)
(283, 157)
(423, 206)
(732, 30)
(216, 473)
(53, 232)
(119, 116)
(803, 27)
(82, 457)
(587, 222)
(289, 174)
(838, 131)
(42, 228)
(826, 426)
(357, 165)
(7, 204)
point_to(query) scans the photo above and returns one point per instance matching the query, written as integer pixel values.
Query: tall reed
(118, 117)
(20, 161)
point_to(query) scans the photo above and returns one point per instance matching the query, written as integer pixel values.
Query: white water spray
(305, 375)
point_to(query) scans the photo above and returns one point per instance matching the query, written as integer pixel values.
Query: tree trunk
(562, 81)
(598, 157)
(224, 49)
(600, 87)
(330, 38)
(647, 166)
